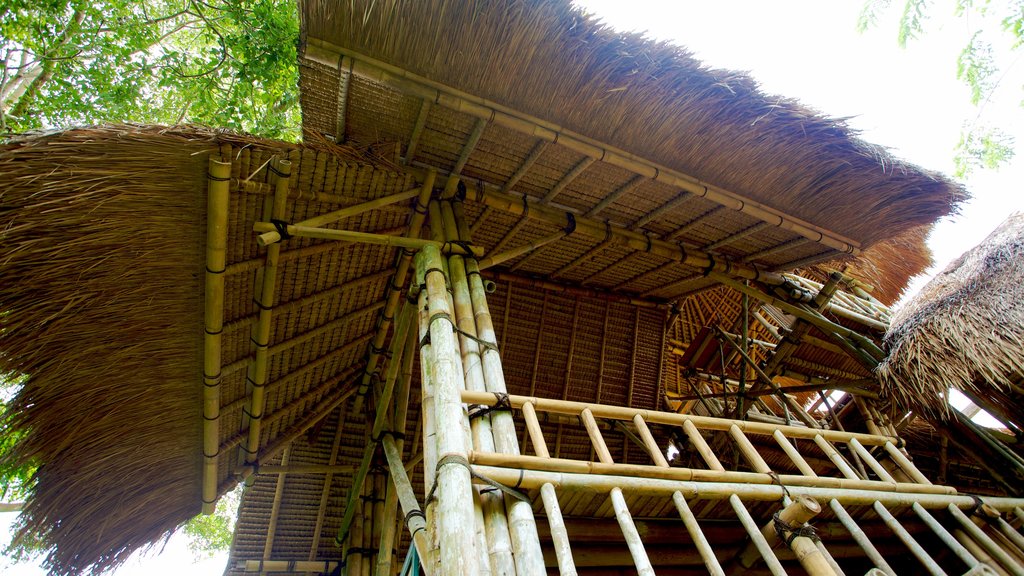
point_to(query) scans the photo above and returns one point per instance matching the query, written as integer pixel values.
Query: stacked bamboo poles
(252, 414)
(497, 542)
(216, 251)
(452, 483)
(522, 525)
(404, 259)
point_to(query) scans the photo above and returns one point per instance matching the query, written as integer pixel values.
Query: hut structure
(520, 304)
(965, 331)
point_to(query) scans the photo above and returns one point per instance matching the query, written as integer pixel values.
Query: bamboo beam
(305, 252)
(275, 509)
(256, 378)
(513, 253)
(368, 238)
(680, 199)
(673, 419)
(697, 475)
(397, 281)
(630, 185)
(713, 490)
(860, 537)
(216, 255)
(325, 492)
(736, 237)
(273, 236)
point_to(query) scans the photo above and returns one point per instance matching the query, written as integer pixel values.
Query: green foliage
(223, 63)
(977, 67)
(14, 480)
(209, 534)
(982, 147)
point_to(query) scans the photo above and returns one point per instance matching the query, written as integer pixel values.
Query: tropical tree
(224, 63)
(982, 144)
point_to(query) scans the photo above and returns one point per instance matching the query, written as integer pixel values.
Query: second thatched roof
(965, 331)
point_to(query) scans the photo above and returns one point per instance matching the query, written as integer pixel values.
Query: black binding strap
(571, 226)
(502, 405)
(461, 461)
(787, 533)
(282, 228)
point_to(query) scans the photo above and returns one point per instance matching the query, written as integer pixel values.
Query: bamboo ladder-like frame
(535, 472)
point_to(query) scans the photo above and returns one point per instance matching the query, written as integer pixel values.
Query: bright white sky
(908, 100)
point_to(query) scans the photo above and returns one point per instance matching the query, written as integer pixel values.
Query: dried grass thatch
(965, 330)
(651, 98)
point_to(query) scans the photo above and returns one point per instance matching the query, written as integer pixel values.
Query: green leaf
(982, 147)
(912, 21)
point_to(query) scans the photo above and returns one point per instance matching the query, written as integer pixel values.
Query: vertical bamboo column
(429, 556)
(559, 535)
(522, 526)
(498, 543)
(455, 519)
(252, 416)
(216, 257)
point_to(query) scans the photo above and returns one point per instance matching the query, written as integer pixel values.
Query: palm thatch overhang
(965, 331)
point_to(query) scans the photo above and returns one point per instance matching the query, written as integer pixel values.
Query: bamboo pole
(513, 253)
(915, 548)
(495, 535)
(756, 537)
(216, 256)
(369, 238)
(559, 535)
(427, 417)
(404, 259)
(273, 236)
(275, 510)
(522, 525)
(454, 487)
(1011, 534)
(990, 546)
(252, 415)
(673, 419)
(948, 539)
(328, 480)
(800, 511)
(860, 537)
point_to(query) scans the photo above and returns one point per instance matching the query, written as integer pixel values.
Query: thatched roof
(965, 331)
(102, 239)
(574, 74)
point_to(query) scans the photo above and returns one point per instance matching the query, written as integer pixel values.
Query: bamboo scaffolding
(756, 537)
(273, 236)
(404, 260)
(948, 539)
(256, 378)
(216, 250)
(912, 544)
(861, 538)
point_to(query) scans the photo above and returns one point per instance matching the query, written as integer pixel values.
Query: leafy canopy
(224, 63)
(981, 144)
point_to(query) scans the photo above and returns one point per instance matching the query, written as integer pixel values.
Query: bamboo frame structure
(216, 247)
(369, 238)
(330, 55)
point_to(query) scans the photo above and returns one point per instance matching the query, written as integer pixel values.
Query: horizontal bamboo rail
(603, 484)
(674, 419)
(325, 52)
(369, 238)
(764, 477)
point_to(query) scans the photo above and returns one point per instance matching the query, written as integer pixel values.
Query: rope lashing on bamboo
(455, 329)
(502, 405)
(281, 226)
(776, 479)
(787, 533)
(462, 461)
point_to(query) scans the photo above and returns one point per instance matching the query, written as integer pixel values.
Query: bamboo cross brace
(256, 378)
(274, 236)
(567, 179)
(216, 250)
(513, 253)
(370, 238)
